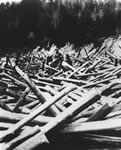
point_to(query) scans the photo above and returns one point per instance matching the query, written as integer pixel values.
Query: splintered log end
(44, 139)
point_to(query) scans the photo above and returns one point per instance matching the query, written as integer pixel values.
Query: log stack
(72, 94)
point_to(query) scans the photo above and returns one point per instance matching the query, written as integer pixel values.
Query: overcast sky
(4, 1)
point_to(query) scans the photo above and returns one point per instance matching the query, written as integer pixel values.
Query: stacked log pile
(60, 91)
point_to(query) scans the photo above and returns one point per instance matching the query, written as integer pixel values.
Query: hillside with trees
(60, 21)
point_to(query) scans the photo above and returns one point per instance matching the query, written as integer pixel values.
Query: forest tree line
(78, 22)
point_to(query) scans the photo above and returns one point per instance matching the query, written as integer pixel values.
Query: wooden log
(78, 69)
(85, 114)
(58, 73)
(103, 64)
(78, 93)
(114, 72)
(86, 53)
(4, 125)
(68, 59)
(111, 55)
(98, 82)
(3, 84)
(12, 117)
(47, 83)
(4, 106)
(111, 124)
(31, 84)
(99, 77)
(33, 87)
(51, 68)
(74, 96)
(105, 72)
(110, 140)
(114, 115)
(101, 50)
(60, 106)
(102, 90)
(70, 100)
(79, 120)
(31, 105)
(102, 112)
(8, 100)
(90, 68)
(115, 93)
(51, 90)
(78, 106)
(91, 97)
(75, 81)
(44, 79)
(49, 98)
(35, 113)
(54, 92)
(25, 110)
(12, 93)
(24, 135)
(66, 65)
(16, 81)
(21, 99)
(89, 74)
(33, 142)
(8, 62)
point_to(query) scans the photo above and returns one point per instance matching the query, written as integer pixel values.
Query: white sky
(4, 1)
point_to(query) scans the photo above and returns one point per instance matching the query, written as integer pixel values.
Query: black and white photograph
(60, 74)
